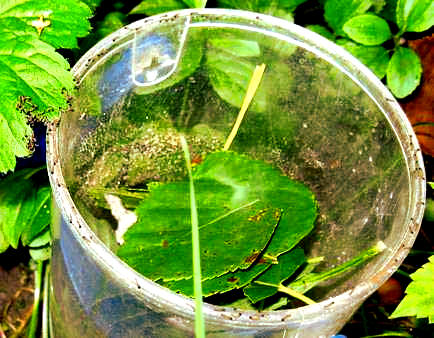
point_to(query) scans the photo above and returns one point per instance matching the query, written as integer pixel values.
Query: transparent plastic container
(319, 116)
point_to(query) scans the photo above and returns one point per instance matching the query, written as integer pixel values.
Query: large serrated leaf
(220, 284)
(231, 237)
(29, 68)
(288, 264)
(419, 299)
(239, 202)
(65, 20)
(256, 179)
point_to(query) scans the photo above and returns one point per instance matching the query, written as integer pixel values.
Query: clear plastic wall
(319, 116)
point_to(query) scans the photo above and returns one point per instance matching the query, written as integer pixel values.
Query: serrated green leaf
(276, 274)
(159, 244)
(293, 198)
(375, 57)
(220, 284)
(415, 15)
(403, 72)
(92, 3)
(66, 19)
(368, 29)
(152, 7)
(321, 30)
(30, 68)
(239, 201)
(237, 47)
(337, 12)
(419, 299)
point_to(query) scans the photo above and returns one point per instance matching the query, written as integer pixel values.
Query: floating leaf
(368, 29)
(403, 72)
(256, 179)
(419, 299)
(288, 264)
(231, 237)
(239, 202)
(220, 284)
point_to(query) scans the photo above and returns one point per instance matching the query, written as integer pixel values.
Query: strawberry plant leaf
(375, 57)
(28, 68)
(220, 284)
(256, 179)
(419, 299)
(403, 72)
(63, 21)
(276, 274)
(368, 29)
(231, 237)
(152, 7)
(337, 12)
(240, 202)
(415, 15)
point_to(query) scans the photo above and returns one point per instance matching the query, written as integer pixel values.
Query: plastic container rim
(161, 298)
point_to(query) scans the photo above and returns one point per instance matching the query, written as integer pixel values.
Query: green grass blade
(197, 277)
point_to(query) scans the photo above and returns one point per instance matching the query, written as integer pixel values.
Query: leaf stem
(36, 300)
(197, 277)
(45, 299)
(308, 281)
(251, 91)
(289, 291)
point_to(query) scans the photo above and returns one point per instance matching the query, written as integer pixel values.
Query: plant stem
(36, 300)
(310, 280)
(44, 330)
(289, 291)
(197, 276)
(251, 90)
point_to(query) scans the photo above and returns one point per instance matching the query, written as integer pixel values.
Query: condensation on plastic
(351, 144)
